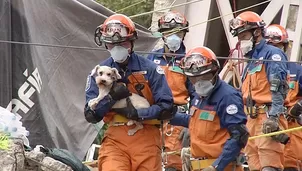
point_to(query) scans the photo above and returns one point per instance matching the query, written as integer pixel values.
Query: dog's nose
(103, 81)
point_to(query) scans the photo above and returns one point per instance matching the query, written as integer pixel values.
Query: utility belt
(119, 120)
(201, 163)
(254, 111)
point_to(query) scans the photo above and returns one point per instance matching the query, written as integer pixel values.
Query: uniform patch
(140, 72)
(88, 83)
(276, 57)
(160, 70)
(206, 116)
(196, 102)
(232, 109)
(156, 61)
(192, 111)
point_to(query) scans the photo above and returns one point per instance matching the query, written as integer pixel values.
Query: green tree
(118, 5)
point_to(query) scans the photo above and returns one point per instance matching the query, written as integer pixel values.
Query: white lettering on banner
(27, 89)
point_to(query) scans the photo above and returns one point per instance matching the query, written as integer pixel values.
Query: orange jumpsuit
(293, 149)
(263, 152)
(141, 151)
(181, 89)
(217, 127)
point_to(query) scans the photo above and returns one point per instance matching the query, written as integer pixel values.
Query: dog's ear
(95, 70)
(115, 72)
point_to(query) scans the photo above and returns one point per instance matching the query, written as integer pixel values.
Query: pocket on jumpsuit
(206, 127)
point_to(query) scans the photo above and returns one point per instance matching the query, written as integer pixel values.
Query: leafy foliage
(118, 5)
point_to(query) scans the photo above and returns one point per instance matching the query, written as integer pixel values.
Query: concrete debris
(50, 164)
(16, 159)
(13, 158)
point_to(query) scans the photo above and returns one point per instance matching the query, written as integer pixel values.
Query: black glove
(129, 112)
(184, 136)
(299, 119)
(296, 110)
(168, 114)
(91, 116)
(281, 138)
(270, 125)
(119, 91)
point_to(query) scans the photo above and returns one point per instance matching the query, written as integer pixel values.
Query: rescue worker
(276, 35)
(264, 89)
(216, 120)
(179, 84)
(119, 151)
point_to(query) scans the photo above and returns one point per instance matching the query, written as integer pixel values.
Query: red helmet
(276, 34)
(247, 20)
(116, 29)
(171, 20)
(199, 61)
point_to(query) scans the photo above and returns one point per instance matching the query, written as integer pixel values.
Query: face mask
(203, 87)
(119, 54)
(173, 42)
(246, 46)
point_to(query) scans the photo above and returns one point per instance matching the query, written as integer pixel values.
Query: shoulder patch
(88, 83)
(276, 57)
(156, 61)
(232, 109)
(160, 70)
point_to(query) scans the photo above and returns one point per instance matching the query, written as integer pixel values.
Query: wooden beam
(295, 52)
(284, 15)
(197, 13)
(224, 8)
(272, 10)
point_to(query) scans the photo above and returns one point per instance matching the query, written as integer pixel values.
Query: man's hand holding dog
(129, 112)
(119, 91)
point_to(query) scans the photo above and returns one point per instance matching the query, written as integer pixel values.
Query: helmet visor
(115, 32)
(196, 64)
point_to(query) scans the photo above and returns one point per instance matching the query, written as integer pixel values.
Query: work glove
(210, 168)
(119, 91)
(167, 114)
(184, 137)
(299, 119)
(270, 125)
(91, 116)
(296, 110)
(129, 112)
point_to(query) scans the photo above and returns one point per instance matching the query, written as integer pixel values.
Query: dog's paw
(92, 103)
(131, 132)
(129, 123)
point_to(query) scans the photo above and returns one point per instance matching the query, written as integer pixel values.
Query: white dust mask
(246, 46)
(119, 54)
(173, 42)
(203, 87)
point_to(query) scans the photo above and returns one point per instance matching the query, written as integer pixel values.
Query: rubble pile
(15, 158)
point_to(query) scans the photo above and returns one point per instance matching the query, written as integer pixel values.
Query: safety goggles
(236, 23)
(272, 38)
(195, 65)
(112, 33)
(172, 17)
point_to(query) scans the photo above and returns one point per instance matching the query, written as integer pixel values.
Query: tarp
(46, 85)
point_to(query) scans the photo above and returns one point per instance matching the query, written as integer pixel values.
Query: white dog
(105, 77)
